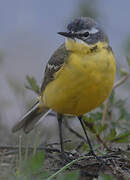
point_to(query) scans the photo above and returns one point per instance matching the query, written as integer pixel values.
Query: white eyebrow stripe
(93, 31)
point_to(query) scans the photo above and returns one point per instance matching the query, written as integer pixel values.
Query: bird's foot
(66, 157)
(99, 158)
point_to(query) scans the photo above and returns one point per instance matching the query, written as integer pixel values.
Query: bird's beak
(67, 34)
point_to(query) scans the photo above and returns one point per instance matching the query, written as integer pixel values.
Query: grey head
(85, 29)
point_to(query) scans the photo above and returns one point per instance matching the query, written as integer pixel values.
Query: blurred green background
(28, 37)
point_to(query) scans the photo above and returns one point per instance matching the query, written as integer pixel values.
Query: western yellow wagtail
(78, 77)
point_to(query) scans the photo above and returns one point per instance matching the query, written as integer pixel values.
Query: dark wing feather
(54, 64)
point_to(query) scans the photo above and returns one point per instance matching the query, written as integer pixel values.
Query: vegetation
(108, 129)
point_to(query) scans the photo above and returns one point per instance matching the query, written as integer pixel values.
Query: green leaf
(112, 97)
(111, 135)
(123, 71)
(122, 137)
(122, 113)
(99, 128)
(97, 116)
(128, 61)
(34, 165)
(85, 147)
(89, 123)
(93, 124)
(88, 119)
(32, 84)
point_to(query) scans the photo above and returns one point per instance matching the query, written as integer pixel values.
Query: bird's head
(83, 33)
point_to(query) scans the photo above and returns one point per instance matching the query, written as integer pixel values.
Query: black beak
(67, 34)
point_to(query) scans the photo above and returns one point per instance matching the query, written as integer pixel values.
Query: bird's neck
(82, 47)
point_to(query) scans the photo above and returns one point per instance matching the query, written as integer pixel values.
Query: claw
(66, 157)
(99, 158)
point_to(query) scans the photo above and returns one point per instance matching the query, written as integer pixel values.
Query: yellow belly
(82, 84)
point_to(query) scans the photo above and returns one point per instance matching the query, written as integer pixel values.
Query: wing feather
(54, 64)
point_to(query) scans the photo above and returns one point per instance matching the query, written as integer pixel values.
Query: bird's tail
(28, 121)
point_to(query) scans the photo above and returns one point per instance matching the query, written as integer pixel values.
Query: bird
(78, 77)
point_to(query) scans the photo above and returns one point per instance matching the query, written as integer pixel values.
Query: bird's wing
(54, 64)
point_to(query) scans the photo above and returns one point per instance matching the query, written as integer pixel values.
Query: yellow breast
(83, 83)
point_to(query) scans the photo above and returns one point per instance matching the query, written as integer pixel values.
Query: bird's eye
(86, 34)
(82, 35)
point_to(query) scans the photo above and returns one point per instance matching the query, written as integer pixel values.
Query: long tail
(28, 121)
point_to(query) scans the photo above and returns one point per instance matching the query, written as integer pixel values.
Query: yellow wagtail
(78, 77)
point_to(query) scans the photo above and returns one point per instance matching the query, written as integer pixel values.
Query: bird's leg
(85, 132)
(64, 156)
(59, 118)
(88, 140)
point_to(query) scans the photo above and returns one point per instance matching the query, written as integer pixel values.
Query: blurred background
(28, 37)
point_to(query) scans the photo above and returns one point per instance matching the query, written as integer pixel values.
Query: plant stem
(65, 167)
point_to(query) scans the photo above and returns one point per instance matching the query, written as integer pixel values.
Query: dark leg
(63, 155)
(59, 118)
(85, 132)
(89, 142)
